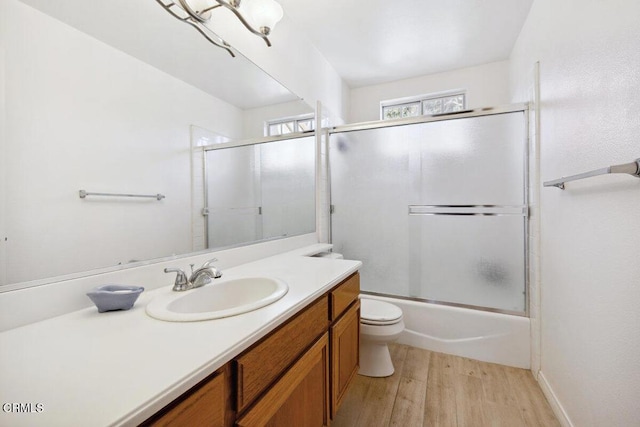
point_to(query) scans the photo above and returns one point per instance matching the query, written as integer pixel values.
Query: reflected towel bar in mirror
(632, 169)
(158, 196)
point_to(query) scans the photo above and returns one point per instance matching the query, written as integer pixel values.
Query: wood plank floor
(435, 389)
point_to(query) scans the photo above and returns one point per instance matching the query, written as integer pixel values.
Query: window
(287, 125)
(423, 105)
(399, 111)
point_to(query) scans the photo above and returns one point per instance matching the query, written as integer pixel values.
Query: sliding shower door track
(450, 304)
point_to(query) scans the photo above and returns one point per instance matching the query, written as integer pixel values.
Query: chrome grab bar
(632, 169)
(84, 194)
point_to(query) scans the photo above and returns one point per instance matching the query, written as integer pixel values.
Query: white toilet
(380, 324)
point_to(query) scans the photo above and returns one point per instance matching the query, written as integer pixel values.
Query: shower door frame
(478, 112)
(205, 211)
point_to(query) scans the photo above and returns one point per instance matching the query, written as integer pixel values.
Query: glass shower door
(260, 191)
(287, 182)
(233, 196)
(437, 210)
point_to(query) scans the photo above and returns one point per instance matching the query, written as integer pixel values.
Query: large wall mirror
(104, 97)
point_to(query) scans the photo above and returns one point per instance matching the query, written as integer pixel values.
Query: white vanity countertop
(119, 368)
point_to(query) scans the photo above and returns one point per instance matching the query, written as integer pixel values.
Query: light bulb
(263, 14)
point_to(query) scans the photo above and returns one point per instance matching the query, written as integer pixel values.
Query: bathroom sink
(222, 298)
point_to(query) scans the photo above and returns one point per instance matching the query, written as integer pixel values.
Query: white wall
(590, 267)
(292, 60)
(486, 85)
(3, 153)
(82, 115)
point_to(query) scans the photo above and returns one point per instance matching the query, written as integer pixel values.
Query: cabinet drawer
(261, 365)
(300, 397)
(343, 295)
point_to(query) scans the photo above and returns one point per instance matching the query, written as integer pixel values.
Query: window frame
(420, 99)
(295, 120)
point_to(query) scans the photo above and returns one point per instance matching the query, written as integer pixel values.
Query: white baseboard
(557, 408)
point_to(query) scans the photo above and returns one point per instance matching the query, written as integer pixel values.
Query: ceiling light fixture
(260, 14)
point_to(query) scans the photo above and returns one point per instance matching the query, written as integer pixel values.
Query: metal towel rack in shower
(632, 169)
(158, 196)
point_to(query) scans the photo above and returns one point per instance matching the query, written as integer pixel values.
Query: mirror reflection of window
(287, 125)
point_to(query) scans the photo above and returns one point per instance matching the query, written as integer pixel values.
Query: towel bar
(632, 169)
(84, 194)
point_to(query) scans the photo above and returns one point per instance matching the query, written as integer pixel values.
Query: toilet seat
(379, 313)
(374, 323)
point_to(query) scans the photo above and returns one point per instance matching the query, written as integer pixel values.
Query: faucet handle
(216, 273)
(181, 279)
(208, 263)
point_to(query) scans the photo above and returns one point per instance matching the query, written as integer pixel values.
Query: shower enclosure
(259, 191)
(436, 207)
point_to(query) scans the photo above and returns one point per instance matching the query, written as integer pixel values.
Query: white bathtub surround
(480, 335)
(118, 368)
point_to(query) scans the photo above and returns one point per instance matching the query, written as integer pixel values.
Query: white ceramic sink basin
(222, 298)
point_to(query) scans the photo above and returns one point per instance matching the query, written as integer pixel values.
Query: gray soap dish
(114, 297)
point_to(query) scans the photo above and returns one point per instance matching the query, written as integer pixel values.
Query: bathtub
(480, 335)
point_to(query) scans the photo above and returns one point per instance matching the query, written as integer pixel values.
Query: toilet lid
(378, 312)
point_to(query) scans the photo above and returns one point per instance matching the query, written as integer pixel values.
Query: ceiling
(367, 41)
(375, 41)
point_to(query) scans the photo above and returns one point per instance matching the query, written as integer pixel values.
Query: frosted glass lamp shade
(263, 14)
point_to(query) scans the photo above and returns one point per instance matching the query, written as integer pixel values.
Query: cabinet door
(300, 397)
(208, 405)
(345, 354)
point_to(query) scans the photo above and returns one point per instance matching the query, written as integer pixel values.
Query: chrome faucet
(204, 274)
(200, 277)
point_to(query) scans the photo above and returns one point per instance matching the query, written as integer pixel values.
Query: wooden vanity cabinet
(295, 376)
